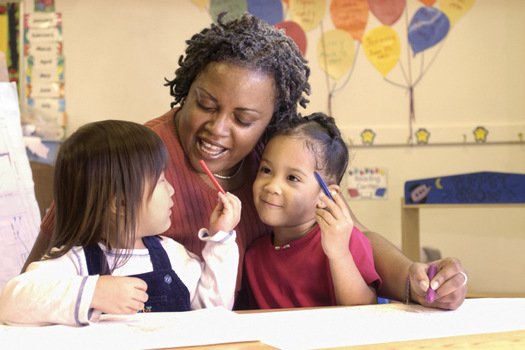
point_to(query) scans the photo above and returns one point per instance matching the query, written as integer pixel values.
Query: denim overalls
(165, 289)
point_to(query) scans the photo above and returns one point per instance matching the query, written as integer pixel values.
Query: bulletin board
(466, 87)
(10, 14)
(408, 72)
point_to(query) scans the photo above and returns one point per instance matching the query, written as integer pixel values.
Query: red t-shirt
(298, 274)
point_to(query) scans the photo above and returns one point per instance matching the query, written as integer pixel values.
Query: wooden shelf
(410, 222)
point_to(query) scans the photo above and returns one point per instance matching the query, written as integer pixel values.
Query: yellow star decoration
(422, 136)
(480, 134)
(368, 136)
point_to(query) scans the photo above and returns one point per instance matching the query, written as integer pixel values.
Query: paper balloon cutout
(427, 28)
(455, 9)
(235, 9)
(382, 47)
(336, 52)
(350, 15)
(387, 12)
(201, 3)
(294, 31)
(307, 13)
(269, 10)
(428, 2)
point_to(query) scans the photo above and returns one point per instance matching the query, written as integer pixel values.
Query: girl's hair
(101, 174)
(250, 43)
(323, 138)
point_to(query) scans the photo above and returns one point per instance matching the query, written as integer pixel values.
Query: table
(500, 341)
(484, 323)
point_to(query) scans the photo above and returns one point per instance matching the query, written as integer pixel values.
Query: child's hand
(226, 214)
(119, 295)
(336, 226)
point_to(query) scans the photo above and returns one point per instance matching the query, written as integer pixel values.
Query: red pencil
(213, 179)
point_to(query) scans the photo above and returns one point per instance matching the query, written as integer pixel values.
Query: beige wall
(117, 54)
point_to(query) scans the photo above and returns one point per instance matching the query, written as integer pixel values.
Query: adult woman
(238, 82)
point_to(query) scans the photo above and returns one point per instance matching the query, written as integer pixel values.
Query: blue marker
(323, 185)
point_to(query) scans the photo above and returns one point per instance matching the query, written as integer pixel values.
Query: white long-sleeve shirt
(60, 291)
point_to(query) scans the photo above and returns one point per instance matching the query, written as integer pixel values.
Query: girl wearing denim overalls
(106, 256)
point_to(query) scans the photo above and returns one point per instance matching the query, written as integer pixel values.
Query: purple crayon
(430, 292)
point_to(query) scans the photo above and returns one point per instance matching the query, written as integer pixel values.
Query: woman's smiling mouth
(211, 149)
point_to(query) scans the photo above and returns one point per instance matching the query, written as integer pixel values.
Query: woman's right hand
(226, 214)
(119, 295)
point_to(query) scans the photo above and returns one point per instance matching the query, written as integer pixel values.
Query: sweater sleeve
(364, 259)
(49, 292)
(216, 286)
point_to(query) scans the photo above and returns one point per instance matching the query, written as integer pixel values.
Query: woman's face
(224, 115)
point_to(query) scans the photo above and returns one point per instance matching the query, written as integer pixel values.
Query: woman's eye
(203, 107)
(242, 123)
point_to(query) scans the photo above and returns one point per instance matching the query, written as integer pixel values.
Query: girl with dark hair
(314, 256)
(112, 200)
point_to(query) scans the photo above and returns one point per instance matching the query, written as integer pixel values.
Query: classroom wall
(117, 55)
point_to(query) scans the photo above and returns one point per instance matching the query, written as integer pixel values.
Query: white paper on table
(140, 331)
(372, 324)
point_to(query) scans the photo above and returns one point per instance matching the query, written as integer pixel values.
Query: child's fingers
(342, 205)
(139, 284)
(230, 202)
(332, 206)
(337, 207)
(230, 199)
(324, 217)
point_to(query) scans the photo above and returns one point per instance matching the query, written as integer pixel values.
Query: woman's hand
(449, 283)
(226, 214)
(119, 295)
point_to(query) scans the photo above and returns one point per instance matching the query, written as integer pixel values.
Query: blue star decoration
(367, 136)
(480, 134)
(422, 136)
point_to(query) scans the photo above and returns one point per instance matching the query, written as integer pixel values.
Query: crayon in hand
(212, 178)
(430, 292)
(323, 185)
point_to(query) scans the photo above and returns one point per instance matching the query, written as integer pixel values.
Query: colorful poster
(45, 74)
(9, 38)
(367, 183)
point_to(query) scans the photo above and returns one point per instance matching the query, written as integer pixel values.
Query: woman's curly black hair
(251, 43)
